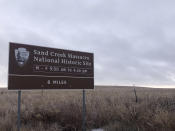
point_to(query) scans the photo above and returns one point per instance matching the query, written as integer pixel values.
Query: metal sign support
(19, 110)
(84, 111)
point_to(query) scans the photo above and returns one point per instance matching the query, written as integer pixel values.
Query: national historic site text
(60, 58)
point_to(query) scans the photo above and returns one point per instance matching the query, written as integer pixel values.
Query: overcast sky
(133, 41)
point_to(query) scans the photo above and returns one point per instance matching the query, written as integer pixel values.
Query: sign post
(35, 67)
(19, 110)
(84, 111)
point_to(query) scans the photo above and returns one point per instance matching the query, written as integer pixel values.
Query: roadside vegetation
(110, 108)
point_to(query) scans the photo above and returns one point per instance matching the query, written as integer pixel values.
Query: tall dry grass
(113, 109)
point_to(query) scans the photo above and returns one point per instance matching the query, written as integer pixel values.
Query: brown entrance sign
(35, 67)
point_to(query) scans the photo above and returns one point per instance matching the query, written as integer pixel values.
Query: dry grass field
(110, 108)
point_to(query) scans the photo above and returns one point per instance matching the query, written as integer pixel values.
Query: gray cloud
(133, 41)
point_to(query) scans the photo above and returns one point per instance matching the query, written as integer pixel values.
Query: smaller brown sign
(35, 67)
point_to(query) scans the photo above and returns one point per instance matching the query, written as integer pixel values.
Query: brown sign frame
(35, 67)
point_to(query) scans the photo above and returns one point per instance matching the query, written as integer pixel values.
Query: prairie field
(107, 107)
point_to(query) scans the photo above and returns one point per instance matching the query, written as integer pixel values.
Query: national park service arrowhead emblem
(22, 56)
